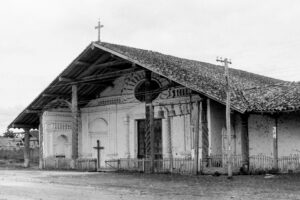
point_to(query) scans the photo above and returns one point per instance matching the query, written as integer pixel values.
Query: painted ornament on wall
(134, 87)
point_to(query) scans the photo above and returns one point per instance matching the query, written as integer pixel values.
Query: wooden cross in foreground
(99, 28)
(99, 148)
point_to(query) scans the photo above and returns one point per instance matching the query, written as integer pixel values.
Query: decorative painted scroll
(59, 126)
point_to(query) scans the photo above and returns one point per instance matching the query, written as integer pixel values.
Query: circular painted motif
(134, 87)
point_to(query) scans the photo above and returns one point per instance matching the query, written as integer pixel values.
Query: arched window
(98, 125)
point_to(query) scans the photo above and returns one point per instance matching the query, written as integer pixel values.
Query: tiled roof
(251, 91)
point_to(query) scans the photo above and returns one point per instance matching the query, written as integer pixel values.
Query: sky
(39, 38)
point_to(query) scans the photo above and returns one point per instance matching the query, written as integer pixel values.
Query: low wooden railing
(177, 165)
(289, 163)
(257, 164)
(222, 160)
(61, 163)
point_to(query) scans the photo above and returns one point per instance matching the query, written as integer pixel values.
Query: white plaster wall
(261, 134)
(56, 124)
(89, 136)
(180, 148)
(289, 134)
(217, 123)
(236, 134)
(116, 144)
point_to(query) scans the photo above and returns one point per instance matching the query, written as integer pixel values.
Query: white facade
(112, 119)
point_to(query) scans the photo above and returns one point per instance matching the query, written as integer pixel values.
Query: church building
(160, 113)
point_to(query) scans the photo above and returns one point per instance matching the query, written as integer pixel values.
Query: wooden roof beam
(62, 95)
(95, 67)
(82, 63)
(35, 111)
(104, 77)
(103, 58)
(100, 77)
(98, 84)
(65, 79)
(24, 125)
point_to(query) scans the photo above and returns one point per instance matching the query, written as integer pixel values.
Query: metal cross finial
(99, 27)
(225, 60)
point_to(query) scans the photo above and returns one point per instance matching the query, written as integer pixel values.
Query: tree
(11, 134)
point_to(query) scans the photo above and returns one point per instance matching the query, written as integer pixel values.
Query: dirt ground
(38, 185)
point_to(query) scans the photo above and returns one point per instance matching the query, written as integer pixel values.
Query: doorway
(141, 131)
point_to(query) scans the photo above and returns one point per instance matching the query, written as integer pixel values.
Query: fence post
(119, 162)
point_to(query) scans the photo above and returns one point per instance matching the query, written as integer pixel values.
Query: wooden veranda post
(26, 148)
(275, 143)
(75, 122)
(196, 133)
(204, 131)
(127, 141)
(41, 138)
(149, 110)
(245, 142)
(169, 139)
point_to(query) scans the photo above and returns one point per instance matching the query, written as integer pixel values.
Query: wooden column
(196, 141)
(149, 133)
(245, 142)
(169, 141)
(26, 148)
(41, 138)
(75, 122)
(126, 123)
(275, 143)
(204, 131)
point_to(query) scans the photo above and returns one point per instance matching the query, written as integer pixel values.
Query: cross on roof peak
(99, 26)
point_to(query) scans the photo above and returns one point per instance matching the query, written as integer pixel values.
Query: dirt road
(37, 185)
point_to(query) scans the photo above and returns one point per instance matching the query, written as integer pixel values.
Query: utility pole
(225, 61)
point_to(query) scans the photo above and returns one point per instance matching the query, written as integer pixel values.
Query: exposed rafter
(56, 95)
(35, 111)
(24, 125)
(100, 60)
(82, 63)
(100, 77)
(65, 79)
(104, 77)
(95, 67)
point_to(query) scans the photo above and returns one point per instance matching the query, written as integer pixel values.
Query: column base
(26, 163)
(41, 164)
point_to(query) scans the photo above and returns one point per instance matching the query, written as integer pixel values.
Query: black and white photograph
(149, 99)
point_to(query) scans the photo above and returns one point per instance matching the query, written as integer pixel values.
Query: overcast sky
(39, 38)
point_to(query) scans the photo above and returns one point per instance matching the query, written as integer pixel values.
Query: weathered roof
(251, 92)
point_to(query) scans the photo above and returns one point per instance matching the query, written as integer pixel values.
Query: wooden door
(141, 124)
